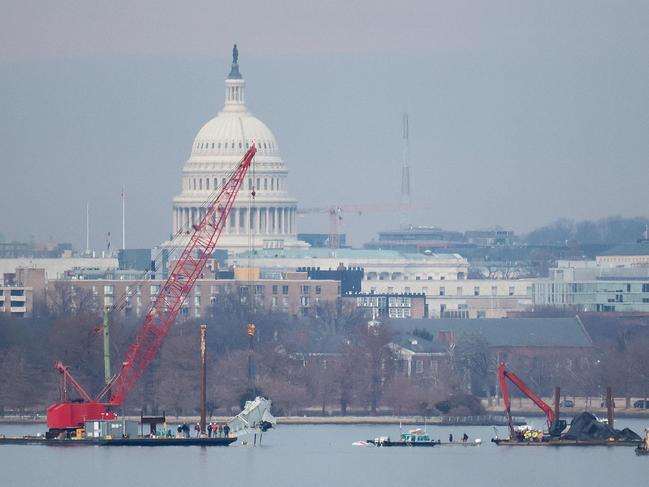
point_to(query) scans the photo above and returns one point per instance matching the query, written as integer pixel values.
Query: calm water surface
(323, 456)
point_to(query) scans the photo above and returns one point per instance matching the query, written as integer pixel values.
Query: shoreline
(492, 417)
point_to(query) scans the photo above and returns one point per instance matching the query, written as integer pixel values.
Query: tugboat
(415, 437)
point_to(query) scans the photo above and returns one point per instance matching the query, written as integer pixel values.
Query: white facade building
(218, 147)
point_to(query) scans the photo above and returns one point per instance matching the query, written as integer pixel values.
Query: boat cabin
(415, 437)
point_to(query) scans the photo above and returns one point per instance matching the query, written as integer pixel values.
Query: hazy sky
(520, 112)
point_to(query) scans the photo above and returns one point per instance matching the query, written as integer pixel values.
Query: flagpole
(123, 217)
(87, 228)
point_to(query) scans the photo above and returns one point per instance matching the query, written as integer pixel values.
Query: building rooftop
(638, 248)
(366, 254)
(505, 332)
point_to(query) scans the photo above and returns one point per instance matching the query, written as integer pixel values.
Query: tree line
(330, 362)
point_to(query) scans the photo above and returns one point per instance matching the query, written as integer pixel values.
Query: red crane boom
(503, 375)
(161, 314)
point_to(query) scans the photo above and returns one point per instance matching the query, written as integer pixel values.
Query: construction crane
(66, 414)
(336, 217)
(555, 425)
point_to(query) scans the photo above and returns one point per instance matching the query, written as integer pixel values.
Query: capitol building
(266, 221)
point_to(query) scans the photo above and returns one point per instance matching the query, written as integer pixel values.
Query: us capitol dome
(218, 147)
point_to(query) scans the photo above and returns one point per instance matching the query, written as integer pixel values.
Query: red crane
(555, 426)
(161, 315)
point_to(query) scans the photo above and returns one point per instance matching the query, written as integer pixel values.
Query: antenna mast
(123, 217)
(87, 228)
(405, 176)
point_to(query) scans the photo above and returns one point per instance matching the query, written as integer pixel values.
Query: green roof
(324, 253)
(639, 248)
(506, 332)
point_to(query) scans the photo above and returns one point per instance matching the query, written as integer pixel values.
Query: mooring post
(609, 406)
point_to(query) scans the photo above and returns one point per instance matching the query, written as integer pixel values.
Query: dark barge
(158, 441)
(565, 442)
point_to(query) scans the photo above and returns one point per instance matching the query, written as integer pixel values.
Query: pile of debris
(586, 427)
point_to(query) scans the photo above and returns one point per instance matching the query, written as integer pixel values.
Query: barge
(152, 441)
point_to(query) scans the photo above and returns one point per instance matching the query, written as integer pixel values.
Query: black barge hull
(119, 441)
(507, 442)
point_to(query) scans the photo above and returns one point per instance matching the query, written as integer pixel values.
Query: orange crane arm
(503, 375)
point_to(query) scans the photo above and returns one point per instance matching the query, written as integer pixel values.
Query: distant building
(419, 358)
(22, 293)
(597, 286)
(464, 298)
(491, 238)
(293, 294)
(379, 265)
(416, 239)
(505, 337)
(350, 278)
(135, 259)
(217, 149)
(388, 305)
(626, 255)
(321, 240)
(57, 267)
(13, 250)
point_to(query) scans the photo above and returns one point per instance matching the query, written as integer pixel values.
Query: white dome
(232, 133)
(218, 147)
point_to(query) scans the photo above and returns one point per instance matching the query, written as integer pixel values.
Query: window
(304, 301)
(645, 288)
(207, 183)
(511, 290)
(318, 289)
(306, 290)
(155, 289)
(476, 291)
(265, 184)
(272, 184)
(17, 292)
(259, 289)
(200, 184)
(458, 291)
(481, 314)
(285, 290)
(194, 184)
(274, 289)
(442, 291)
(419, 367)
(108, 290)
(494, 290)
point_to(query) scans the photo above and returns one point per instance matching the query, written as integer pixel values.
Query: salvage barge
(156, 441)
(254, 419)
(585, 428)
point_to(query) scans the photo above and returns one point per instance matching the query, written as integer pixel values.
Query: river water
(323, 455)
